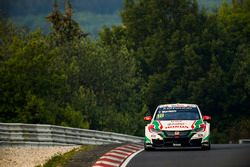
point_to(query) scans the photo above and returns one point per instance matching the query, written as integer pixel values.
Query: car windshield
(177, 113)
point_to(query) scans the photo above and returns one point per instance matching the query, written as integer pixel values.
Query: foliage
(189, 55)
(79, 83)
(166, 51)
(91, 15)
(64, 27)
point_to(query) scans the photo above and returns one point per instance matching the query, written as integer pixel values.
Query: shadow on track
(216, 147)
(176, 149)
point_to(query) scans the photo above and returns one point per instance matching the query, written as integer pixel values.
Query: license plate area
(177, 144)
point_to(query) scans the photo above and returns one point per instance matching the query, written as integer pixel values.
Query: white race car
(177, 125)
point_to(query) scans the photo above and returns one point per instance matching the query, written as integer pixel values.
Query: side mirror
(148, 118)
(206, 118)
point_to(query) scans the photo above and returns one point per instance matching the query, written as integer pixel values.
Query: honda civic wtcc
(177, 125)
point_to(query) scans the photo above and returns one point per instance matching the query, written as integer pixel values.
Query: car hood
(176, 125)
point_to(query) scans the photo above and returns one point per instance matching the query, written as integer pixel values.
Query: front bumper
(180, 142)
(169, 139)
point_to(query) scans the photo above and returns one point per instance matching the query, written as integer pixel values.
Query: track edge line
(125, 163)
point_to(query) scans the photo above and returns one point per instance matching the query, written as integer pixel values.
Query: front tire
(148, 148)
(206, 146)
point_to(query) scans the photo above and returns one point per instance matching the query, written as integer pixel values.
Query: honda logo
(177, 133)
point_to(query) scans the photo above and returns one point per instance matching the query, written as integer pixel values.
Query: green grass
(62, 159)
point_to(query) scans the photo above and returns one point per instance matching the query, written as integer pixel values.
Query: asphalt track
(220, 155)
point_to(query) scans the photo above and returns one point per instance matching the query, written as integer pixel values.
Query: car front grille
(182, 134)
(169, 142)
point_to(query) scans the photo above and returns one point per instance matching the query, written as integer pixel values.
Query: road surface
(220, 155)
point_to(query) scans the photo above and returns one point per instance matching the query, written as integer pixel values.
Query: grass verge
(62, 159)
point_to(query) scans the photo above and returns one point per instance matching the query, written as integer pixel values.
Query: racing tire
(205, 147)
(148, 148)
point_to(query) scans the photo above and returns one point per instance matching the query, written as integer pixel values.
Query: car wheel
(206, 146)
(148, 148)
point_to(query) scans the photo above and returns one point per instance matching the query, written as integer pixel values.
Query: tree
(64, 27)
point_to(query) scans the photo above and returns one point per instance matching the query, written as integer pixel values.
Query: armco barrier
(47, 135)
(244, 141)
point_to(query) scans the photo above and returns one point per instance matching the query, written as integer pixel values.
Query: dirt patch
(32, 156)
(29, 156)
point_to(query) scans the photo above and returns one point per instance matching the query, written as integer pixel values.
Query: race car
(177, 125)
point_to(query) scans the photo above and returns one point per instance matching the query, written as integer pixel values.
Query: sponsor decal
(196, 124)
(147, 140)
(154, 136)
(206, 138)
(192, 126)
(159, 116)
(151, 126)
(178, 107)
(200, 135)
(203, 126)
(167, 111)
(155, 125)
(160, 125)
(177, 126)
(178, 123)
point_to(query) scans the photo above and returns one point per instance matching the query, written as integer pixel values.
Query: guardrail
(244, 141)
(47, 135)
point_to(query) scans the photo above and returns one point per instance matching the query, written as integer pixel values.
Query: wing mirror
(206, 118)
(148, 118)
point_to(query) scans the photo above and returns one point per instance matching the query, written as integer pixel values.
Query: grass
(62, 159)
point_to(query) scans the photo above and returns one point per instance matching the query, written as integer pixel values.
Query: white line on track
(125, 163)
